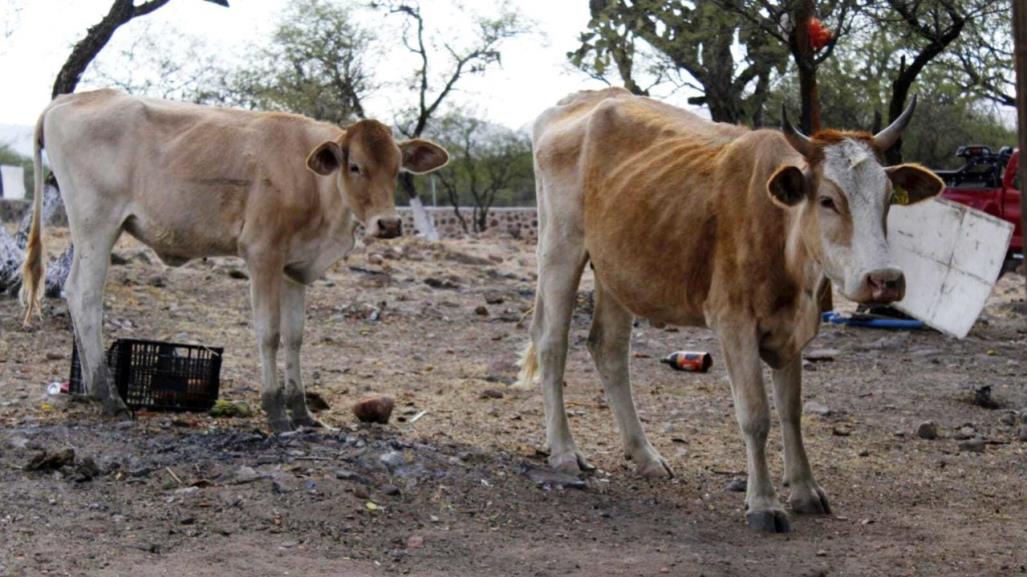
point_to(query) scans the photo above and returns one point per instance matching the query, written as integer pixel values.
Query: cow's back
(185, 178)
(666, 197)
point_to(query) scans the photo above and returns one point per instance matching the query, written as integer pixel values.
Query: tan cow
(284, 192)
(693, 223)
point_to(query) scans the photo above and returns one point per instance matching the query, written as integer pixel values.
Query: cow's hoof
(809, 499)
(570, 462)
(768, 520)
(653, 466)
(115, 407)
(310, 422)
(281, 425)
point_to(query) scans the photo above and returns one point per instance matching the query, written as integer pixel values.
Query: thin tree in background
(480, 55)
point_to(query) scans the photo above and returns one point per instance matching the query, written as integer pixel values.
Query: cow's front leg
(741, 355)
(266, 293)
(805, 496)
(293, 315)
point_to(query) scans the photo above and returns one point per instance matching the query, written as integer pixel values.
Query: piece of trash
(371, 506)
(691, 361)
(417, 416)
(58, 388)
(863, 321)
(821, 355)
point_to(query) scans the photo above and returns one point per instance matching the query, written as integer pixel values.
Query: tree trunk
(86, 50)
(802, 50)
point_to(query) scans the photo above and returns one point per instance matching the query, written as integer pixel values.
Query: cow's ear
(421, 156)
(787, 186)
(912, 183)
(326, 158)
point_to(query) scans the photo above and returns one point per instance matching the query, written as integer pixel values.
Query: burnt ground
(462, 490)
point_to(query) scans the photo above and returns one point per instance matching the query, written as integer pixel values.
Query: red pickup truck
(989, 181)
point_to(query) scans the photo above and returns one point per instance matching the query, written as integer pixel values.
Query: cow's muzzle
(386, 227)
(883, 286)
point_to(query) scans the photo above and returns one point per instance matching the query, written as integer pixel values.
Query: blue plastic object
(893, 324)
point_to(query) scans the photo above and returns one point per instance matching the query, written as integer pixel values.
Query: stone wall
(518, 222)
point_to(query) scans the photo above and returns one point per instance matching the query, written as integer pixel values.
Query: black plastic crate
(158, 375)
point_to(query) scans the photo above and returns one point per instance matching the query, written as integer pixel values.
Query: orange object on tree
(819, 35)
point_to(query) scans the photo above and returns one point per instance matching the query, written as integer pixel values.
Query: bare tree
(475, 58)
(98, 35)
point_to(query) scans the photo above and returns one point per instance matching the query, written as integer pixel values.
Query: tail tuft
(32, 273)
(529, 366)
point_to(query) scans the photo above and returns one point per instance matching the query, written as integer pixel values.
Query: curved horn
(889, 136)
(799, 141)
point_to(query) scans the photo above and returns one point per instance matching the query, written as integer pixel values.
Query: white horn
(799, 141)
(889, 136)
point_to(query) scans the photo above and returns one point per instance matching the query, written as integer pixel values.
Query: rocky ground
(926, 470)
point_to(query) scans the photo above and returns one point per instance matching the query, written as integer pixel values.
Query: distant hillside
(17, 137)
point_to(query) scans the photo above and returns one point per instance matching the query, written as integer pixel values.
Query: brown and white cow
(284, 192)
(693, 223)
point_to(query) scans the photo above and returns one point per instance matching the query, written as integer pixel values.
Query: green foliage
(314, 66)
(11, 158)
(490, 165)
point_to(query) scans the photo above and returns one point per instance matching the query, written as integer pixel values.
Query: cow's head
(844, 193)
(366, 161)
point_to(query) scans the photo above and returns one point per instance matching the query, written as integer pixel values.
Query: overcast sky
(535, 72)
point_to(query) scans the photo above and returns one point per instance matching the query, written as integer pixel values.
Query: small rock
(86, 470)
(440, 283)
(1023, 433)
(415, 542)
(374, 409)
(927, 430)
(736, 485)
(965, 432)
(46, 461)
(864, 453)
(481, 310)
(841, 431)
(972, 446)
(345, 474)
(361, 492)
(983, 398)
(821, 355)
(491, 394)
(494, 299)
(278, 487)
(188, 520)
(389, 489)
(1008, 419)
(392, 460)
(246, 474)
(52, 356)
(157, 281)
(815, 408)
(316, 402)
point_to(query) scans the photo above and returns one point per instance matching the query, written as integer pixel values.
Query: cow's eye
(354, 169)
(828, 203)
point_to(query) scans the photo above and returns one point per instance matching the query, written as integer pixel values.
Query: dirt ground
(462, 490)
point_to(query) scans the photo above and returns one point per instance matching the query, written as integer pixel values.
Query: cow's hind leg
(293, 314)
(805, 495)
(266, 292)
(84, 290)
(741, 355)
(560, 265)
(609, 342)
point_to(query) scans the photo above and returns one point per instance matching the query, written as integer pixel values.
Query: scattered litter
(865, 321)
(547, 478)
(691, 361)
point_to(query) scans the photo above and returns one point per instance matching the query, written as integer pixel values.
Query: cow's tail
(32, 271)
(529, 366)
